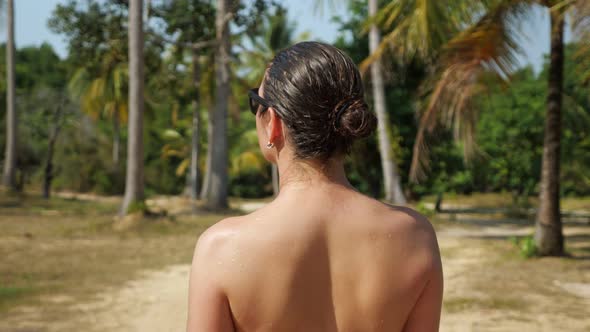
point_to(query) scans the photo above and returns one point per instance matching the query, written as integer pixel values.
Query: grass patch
(483, 200)
(526, 246)
(422, 209)
(68, 247)
(576, 203)
(9, 294)
(503, 200)
(461, 304)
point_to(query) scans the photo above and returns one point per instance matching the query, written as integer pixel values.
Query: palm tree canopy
(105, 94)
(464, 42)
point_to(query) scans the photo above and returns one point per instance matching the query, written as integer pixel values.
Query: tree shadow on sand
(499, 224)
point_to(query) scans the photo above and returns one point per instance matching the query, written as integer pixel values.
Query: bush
(250, 185)
(137, 206)
(526, 246)
(422, 209)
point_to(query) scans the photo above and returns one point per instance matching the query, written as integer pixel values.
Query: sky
(32, 15)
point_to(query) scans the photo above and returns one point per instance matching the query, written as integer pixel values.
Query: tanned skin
(320, 257)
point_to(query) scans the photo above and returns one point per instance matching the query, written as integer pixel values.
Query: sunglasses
(256, 102)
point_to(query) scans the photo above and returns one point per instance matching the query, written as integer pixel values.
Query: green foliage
(510, 126)
(401, 85)
(137, 206)
(526, 246)
(250, 185)
(509, 129)
(191, 20)
(422, 209)
(38, 67)
(510, 134)
(250, 173)
(9, 294)
(575, 166)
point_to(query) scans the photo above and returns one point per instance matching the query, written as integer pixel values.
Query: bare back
(323, 259)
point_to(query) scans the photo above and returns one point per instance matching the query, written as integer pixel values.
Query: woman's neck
(295, 173)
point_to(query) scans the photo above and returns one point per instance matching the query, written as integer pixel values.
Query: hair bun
(356, 121)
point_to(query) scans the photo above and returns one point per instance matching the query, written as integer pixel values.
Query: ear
(274, 128)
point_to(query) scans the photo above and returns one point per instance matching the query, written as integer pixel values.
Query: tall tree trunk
(548, 230)
(48, 172)
(218, 178)
(393, 190)
(57, 122)
(116, 138)
(8, 176)
(208, 158)
(194, 167)
(134, 178)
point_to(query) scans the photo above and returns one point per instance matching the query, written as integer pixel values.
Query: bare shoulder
(208, 303)
(415, 233)
(414, 223)
(216, 241)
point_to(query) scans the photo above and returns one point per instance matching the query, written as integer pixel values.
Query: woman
(321, 256)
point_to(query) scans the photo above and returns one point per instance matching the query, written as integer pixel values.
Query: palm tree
(105, 94)
(57, 108)
(215, 185)
(9, 174)
(134, 178)
(464, 40)
(392, 181)
(393, 190)
(277, 33)
(193, 180)
(180, 145)
(191, 21)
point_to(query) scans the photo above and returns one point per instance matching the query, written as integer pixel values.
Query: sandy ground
(157, 302)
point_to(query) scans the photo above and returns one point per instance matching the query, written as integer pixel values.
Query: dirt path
(157, 302)
(483, 292)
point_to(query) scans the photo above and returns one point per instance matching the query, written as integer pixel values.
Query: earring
(269, 145)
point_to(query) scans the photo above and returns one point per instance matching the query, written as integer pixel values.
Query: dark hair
(318, 92)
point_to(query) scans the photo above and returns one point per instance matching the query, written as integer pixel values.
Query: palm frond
(580, 14)
(78, 83)
(104, 94)
(421, 27)
(182, 167)
(487, 48)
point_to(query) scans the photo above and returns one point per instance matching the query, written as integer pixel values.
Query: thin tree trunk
(8, 176)
(194, 167)
(218, 178)
(134, 178)
(58, 122)
(393, 190)
(48, 173)
(438, 203)
(208, 158)
(116, 138)
(548, 230)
